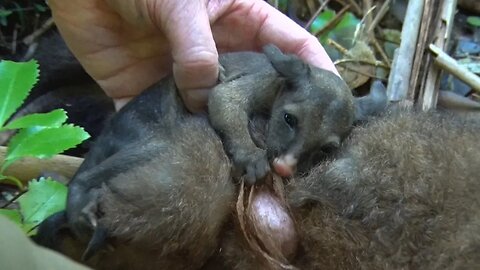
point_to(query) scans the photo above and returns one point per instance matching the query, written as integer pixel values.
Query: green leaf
(3, 21)
(52, 119)
(12, 179)
(322, 20)
(348, 20)
(473, 21)
(43, 142)
(16, 81)
(12, 214)
(44, 198)
(283, 5)
(342, 33)
(4, 13)
(40, 8)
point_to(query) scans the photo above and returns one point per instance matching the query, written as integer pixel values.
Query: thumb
(195, 68)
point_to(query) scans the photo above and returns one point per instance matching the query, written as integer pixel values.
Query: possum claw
(96, 243)
(255, 165)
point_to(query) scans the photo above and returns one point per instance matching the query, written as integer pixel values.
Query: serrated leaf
(13, 215)
(16, 81)
(16, 140)
(54, 118)
(44, 198)
(44, 143)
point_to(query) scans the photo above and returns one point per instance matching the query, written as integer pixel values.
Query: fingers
(248, 25)
(291, 38)
(195, 68)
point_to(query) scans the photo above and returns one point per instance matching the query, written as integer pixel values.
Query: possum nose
(285, 165)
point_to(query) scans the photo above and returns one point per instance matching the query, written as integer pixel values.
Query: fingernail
(120, 102)
(196, 99)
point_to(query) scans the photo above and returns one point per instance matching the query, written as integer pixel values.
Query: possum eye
(290, 120)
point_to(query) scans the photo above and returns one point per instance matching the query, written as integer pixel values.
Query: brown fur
(159, 212)
(403, 194)
(157, 182)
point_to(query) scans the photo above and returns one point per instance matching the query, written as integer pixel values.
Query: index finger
(290, 37)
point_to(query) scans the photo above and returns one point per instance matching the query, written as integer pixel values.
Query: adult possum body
(156, 186)
(402, 194)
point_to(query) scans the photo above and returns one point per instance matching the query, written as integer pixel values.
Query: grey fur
(273, 84)
(402, 194)
(152, 187)
(157, 181)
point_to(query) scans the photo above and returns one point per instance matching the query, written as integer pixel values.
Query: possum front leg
(230, 106)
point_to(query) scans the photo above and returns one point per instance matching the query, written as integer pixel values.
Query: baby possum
(402, 194)
(308, 109)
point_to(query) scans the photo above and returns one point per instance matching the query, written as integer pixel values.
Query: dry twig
(443, 30)
(449, 64)
(420, 57)
(332, 23)
(28, 40)
(401, 67)
(30, 168)
(319, 10)
(381, 13)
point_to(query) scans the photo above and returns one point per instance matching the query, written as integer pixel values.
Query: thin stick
(331, 24)
(356, 8)
(364, 73)
(28, 40)
(14, 39)
(443, 31)
(376, 63)
(381, 13)
(29, 168)
(367, 6)
(420, 58)
(401, 67)
(380, 51)
(14, 199)
(449, 64)
(337, 46)
(319, 10)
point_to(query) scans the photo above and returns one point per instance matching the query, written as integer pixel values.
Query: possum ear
(288, 65)
(372, 104)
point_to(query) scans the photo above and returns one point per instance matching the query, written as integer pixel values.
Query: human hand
(128, 45)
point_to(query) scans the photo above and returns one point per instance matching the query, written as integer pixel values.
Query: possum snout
(285, 165)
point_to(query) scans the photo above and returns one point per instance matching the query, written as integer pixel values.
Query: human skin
(127, 45)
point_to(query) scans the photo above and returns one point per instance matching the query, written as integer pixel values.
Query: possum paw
(254, 164)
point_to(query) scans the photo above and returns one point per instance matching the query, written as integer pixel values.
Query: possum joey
(308, 109)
